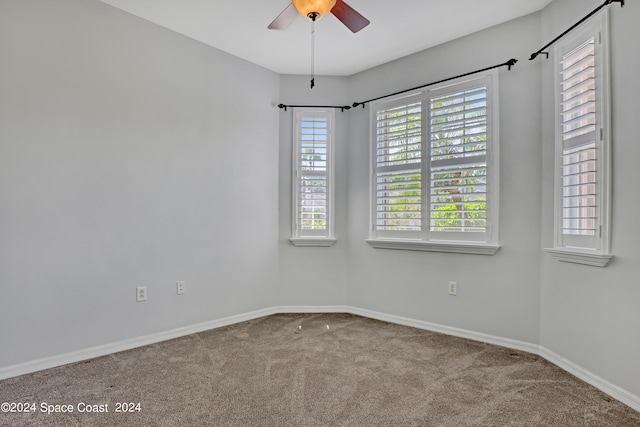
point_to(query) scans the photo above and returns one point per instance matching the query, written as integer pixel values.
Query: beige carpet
(314, 370)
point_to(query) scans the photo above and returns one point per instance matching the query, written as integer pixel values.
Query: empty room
(318, 213)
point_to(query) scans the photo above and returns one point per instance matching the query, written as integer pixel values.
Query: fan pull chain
(313, 36)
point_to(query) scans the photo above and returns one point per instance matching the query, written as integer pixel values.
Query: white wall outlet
(181, 287)
(141, 293)
(453, 288)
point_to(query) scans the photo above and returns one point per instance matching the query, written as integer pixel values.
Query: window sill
(449, 247)
(565, 255)
(315, 242)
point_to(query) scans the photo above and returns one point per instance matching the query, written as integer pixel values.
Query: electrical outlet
(453, 288)
(141, 293)
(181, 287)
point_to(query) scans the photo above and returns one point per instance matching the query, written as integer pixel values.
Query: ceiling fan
(316, 9)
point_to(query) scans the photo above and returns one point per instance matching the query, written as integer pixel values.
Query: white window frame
(594, 249)
(301, 236)
(425, 239)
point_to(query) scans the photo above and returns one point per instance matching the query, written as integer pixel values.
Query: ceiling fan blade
(284, 19)
(349, 17)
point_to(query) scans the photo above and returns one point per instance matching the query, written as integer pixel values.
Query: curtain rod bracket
(511, 63)
(534, 55)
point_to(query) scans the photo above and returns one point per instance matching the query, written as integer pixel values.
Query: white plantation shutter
(312, 173)
(434, 186)
(578, 91)
(578, 130)
(579, 194)
(458, 161)
(582, 175)
(398, 167)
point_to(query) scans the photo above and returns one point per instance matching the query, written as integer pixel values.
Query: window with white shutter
(398, 165)
(313, 177)
(582, 146)
(458, 160)
(435, 170)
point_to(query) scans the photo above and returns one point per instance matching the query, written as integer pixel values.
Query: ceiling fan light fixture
(314, 8)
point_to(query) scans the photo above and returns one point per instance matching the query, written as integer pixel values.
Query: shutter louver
(398, 168)
(578, 130)
(458, 156)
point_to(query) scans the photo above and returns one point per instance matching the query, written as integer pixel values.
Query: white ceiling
(398, 28)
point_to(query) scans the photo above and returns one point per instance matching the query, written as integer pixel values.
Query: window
(581, 232)
(313, 177)
(435, 169)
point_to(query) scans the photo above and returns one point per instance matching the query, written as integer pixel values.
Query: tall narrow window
(582, 146)
(435, 169)
(313, 177)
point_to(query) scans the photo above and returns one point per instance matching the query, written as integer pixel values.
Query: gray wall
(132, 156)
(591, 316)
(313, 276)
(129, 156)
(497, 295)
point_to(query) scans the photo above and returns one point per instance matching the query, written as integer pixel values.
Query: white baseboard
(448, 330)
(600, 383)
(312, 309)
(585, 375)
(103, 350)
(589, 377)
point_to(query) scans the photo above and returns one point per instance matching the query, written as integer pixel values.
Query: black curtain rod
(341, 107)
(534, 55)
(510, 63)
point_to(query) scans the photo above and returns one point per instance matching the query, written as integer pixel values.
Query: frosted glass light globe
(310, 7)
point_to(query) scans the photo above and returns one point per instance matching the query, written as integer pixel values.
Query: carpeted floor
(313, 370)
